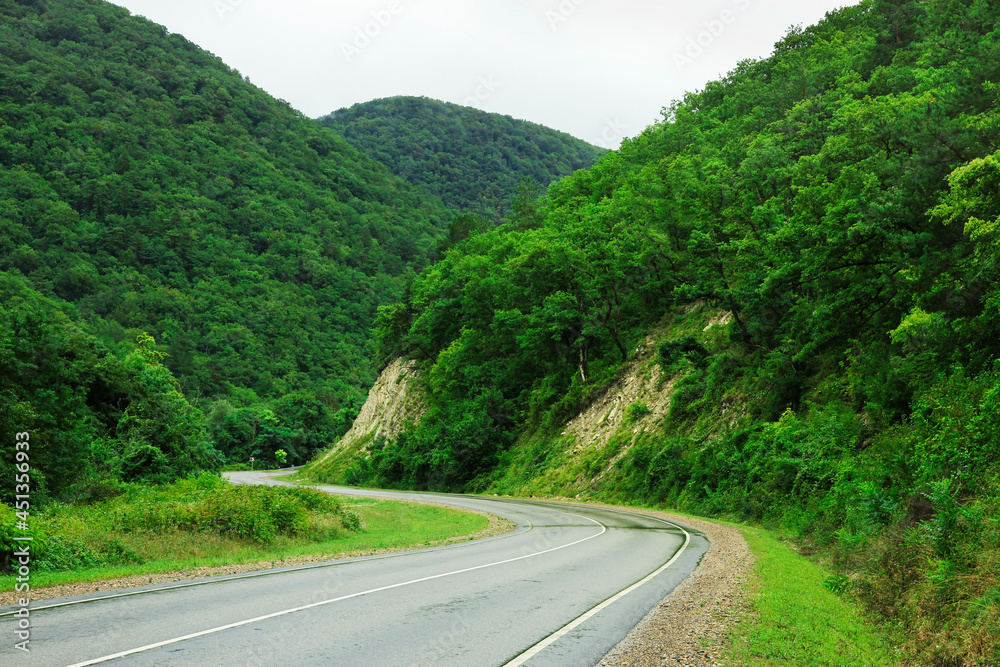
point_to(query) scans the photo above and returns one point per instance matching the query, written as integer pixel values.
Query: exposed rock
(394, 401)
(641, 382)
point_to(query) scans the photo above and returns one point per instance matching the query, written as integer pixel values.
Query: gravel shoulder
(690, 626)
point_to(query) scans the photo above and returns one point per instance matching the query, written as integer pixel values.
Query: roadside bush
(74, 553)
(9, 530)
(210, 504)
(112, 531)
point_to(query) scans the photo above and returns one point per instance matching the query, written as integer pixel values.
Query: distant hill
(471, 159)
(153, 188)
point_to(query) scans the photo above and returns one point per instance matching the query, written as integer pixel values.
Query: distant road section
(562, 589)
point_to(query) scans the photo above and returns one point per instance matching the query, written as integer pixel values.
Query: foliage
(297, 423)
(149, 192)
(82, 547)
(473, 160)
(100, 534)
(211, 504)
(93, 413)
(688, 348)
(796, 621)
(636, 412)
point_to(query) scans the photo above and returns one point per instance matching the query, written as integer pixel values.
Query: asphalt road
(562, 589)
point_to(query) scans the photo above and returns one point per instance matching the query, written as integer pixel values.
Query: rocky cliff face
(637, 401)
(633, 406)
(393, 402)
(640, 396)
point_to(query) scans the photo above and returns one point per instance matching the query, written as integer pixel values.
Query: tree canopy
(473, 160)
(151, 185)
(838, 190)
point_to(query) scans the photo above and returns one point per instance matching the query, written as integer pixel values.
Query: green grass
(76, 534)
(796, 620)
(330, 467)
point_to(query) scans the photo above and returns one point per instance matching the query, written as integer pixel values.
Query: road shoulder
(690, 626)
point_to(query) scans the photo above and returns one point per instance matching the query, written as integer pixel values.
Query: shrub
(688, 348)
(636, 412)
(203, 504)
(9, 530)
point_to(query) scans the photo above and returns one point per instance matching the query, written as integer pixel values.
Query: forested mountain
(471, 159)
(153, 188)
(839, 199)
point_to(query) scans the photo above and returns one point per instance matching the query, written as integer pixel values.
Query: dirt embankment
(394, 401)
(639, 400)
(641, 383)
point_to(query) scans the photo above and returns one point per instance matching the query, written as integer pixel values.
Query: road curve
(562, 589)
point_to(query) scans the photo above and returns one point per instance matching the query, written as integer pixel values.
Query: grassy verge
(156, 530)
(796, 620)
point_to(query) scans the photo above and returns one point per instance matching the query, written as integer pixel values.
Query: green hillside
(471, 159)
(840, 200)
(154, 189)
(88, 413)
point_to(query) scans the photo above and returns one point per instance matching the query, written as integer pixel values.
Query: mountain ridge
(151, 191)
(472, 159)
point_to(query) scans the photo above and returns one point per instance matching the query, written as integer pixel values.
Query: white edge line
(237, 624)
(542, 645)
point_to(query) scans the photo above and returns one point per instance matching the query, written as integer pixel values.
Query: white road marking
(210, 631)
(336, 562)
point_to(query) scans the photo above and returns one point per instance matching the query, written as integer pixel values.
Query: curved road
(562, 589)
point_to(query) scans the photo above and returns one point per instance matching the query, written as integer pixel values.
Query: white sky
(598, 69)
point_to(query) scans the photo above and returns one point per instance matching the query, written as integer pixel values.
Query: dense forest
(473, 160)
(185, 225)
(840, 199)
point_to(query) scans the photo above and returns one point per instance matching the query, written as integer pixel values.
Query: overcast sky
(598, 69)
